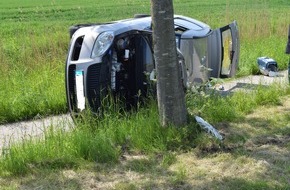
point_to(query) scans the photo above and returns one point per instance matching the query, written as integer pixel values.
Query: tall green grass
(32, 67)
(106, 138)
(216, 107)
(100, 139)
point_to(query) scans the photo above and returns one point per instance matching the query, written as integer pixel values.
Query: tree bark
(170, 93)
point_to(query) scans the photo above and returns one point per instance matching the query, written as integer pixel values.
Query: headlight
(102, 44)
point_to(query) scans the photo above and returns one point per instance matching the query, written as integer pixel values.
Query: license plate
(80, 89)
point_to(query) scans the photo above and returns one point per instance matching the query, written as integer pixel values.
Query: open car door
(224, 45)
(210, 53)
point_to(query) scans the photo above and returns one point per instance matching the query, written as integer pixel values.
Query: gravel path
(15, 132)
(250, 82)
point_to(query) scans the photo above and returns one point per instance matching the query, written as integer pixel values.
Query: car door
(224, 50)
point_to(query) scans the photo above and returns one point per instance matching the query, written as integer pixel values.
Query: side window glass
(227, 52)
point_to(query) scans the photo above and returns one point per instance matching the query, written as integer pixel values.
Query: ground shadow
(229, 183)
(50, 181)
(240, 86)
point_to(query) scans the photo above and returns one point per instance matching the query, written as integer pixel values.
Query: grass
(134, 146)
(31, 85)
(95, 139)
(218, 108)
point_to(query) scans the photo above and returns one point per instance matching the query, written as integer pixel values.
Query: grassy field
(131, 150)
(34, 42)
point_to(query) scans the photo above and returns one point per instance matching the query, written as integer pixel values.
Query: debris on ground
(268, 66)
(208, 127)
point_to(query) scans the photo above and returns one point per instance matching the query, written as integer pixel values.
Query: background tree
(170, 94)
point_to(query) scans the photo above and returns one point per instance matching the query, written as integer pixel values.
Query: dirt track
(15, 132)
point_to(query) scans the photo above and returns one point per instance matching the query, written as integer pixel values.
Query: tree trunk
(170, 93)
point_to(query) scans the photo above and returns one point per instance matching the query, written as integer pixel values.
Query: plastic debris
(268, 66)
(221, 87)
(208, 127)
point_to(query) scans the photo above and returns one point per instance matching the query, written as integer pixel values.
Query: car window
(186, 24)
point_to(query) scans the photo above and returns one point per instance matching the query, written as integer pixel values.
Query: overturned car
(117, 58)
